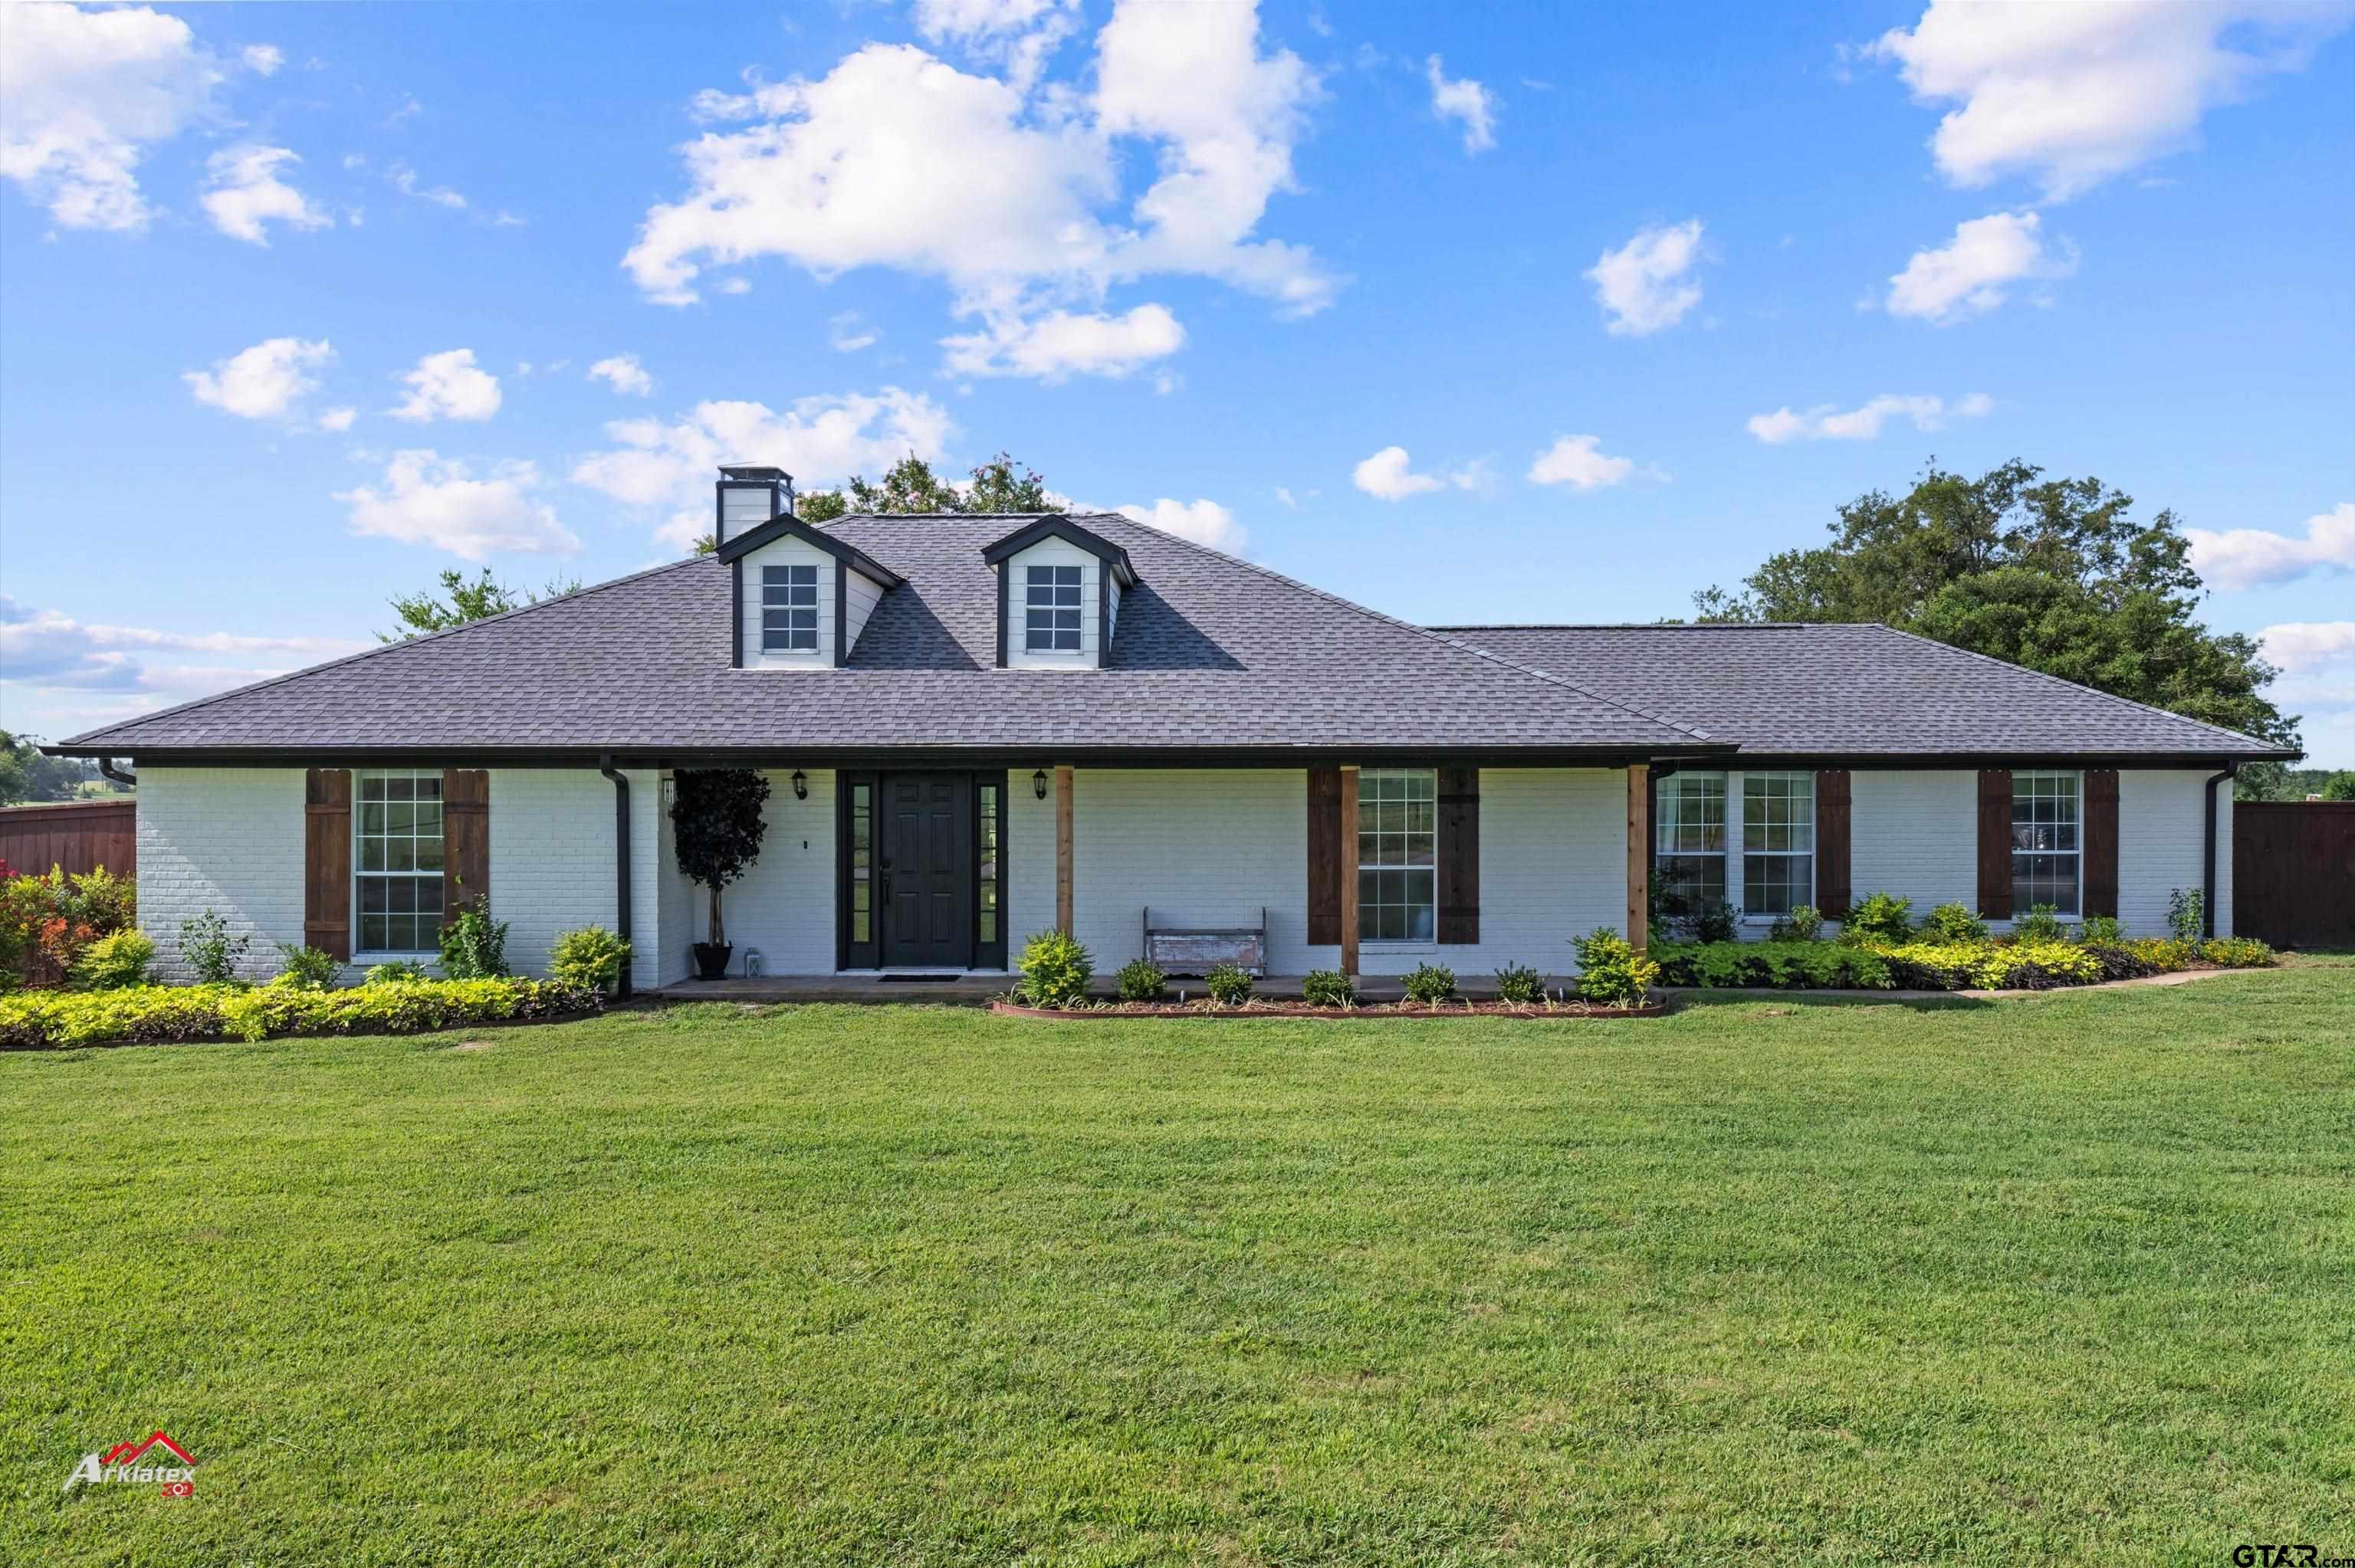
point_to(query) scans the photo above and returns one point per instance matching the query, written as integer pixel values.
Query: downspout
(2208, 856)
(107, 769)
(621, 860)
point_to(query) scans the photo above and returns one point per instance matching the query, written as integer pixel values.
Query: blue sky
(1465, 313)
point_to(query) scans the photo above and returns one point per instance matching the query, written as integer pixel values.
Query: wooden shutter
(1324, 856)
(1831, 843)
(465, 838)
(1995, 843)
(2101, 841)
(327, 861)
(1459, 855)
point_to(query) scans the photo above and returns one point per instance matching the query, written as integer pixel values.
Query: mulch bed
(1372, 1009)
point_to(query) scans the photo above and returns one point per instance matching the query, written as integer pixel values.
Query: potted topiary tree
(716, 824)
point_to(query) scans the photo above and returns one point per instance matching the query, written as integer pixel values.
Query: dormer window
(789, 609)
(1052, 619)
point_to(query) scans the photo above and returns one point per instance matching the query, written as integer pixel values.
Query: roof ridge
(1692, 730)
(192, 705)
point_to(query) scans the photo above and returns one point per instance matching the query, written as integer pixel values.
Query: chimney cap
(753, 471)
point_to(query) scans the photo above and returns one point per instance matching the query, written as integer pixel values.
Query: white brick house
(976, 727)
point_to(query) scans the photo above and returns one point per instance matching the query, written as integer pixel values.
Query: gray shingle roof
(1212, 653)
(1852, 690)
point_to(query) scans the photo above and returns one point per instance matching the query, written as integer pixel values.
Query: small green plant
(2102, 930)
(114, 962)
(1714, 920)
(474, 945)
(1055, 970)
(1610, 970)
(2187, 912)
(1229, 985)
(591, 957)
(210, 949)
(307, 968)
(1805, 924)
(398, 972)
(1953, 923)
(1520, 985)
(1430, 984)
(1140, 980)
(1327, 988)
(2042, 923)
(1879, 920)
(2237, 953)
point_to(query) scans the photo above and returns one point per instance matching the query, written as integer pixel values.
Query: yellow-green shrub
(146, 1015)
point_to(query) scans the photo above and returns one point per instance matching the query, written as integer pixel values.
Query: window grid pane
(1051, 610)
(2045, 849)
(1398, 855)
(986, 929)
(1778, 842)
(862, 861)
(788, 609)
(397, 882)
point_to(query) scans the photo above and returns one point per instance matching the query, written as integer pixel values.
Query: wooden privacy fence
(2293, 872)
(79, 835)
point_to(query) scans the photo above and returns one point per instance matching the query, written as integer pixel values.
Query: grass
(1765, 1281)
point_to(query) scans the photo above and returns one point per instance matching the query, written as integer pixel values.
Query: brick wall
(227, 839)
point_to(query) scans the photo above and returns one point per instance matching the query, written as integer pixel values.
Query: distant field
(2057, 1280)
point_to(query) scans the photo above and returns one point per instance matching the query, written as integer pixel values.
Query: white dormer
(1059, 588)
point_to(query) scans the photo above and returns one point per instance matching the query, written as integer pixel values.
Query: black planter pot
(711, 962)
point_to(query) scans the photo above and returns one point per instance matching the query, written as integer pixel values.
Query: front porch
(978, 988)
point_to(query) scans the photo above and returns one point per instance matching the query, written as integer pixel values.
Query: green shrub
(1610, 970)
(2237, 953)
(1879, 920)
(1229, 984)
(156, 1013)
(2038, 966)
(474, 945)
(591, 957)
(1055, 970)
(1327, 988)
(1821, 966)
(2187, 913)
(1140, 980)
(114, 962)
(2102, 928)
(396, 971)
(1953, 923)
(307, 968)
(210, 949)
(1520, 985)
(1805, 923)
(47, 920)
(1430, 983)
(2042, 923)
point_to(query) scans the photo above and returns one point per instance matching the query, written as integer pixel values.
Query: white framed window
(788, 609)
(2047, 819)
(1050, 610)
(1688, 839)
(1398, 855)
(397, 860)
(1778, 843)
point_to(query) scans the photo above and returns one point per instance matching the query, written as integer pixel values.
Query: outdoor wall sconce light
(1038, 783)
(801, 785)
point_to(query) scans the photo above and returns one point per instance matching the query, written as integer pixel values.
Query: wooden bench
(1198, 950)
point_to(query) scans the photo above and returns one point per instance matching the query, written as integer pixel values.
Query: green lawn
(2061, 1279)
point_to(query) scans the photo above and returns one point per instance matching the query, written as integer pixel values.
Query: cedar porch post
(1063, 849)
(1348, 871)
(1639, 857)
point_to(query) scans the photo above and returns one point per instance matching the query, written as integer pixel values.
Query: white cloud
(2251, 557)
(1824, 422)
(404, 178)
(448, 386)
(1969, 275)
(263, 59)
(1065, 343)
(1467, 100)
(1578, 462)
(2303, 647)
(262, 382)
(819, 441)
(242, 192)
(428, 499)
(1284, 493)
(1643, 284)
(2072, 94)
(897, 159)
(339, 419)
(1018, 34)
(84, 93)
(1386, 476)
(1204, 521)
(47, 647)
(628, 377)
(847, 334)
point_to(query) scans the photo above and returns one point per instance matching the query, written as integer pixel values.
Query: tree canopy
(910, 486)
(468, 599)
(2055, 575)
(26, 775)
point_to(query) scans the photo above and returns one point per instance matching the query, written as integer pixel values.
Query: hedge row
(149, 1014)
(1946, 966)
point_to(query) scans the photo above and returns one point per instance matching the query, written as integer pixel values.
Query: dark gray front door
(926, 866)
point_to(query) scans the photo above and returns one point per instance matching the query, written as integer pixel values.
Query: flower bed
(1985, 964)
(154, 1014)
(1259, 1008)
